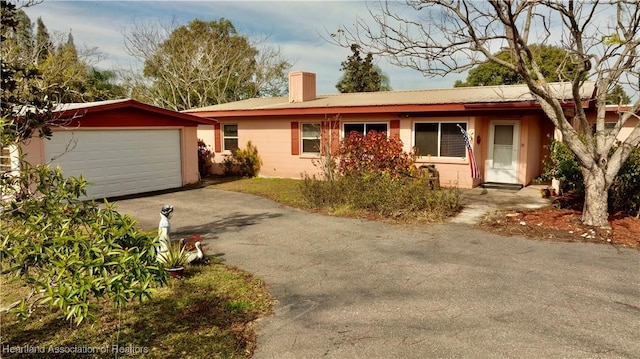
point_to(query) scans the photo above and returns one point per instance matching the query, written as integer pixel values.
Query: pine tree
(360, 75)
(43, 41)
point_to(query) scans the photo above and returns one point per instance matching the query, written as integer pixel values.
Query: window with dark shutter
(311, 138)
(230, 137)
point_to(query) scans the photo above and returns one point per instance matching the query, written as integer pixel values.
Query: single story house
(506, 128)
(121, 147)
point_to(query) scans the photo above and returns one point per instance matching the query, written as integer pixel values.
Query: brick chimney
(302, 86)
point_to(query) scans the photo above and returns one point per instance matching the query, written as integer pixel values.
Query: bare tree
(201, 64)
(438, 37)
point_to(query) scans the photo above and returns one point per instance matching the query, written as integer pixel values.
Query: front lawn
(209, 314)
(282, 190)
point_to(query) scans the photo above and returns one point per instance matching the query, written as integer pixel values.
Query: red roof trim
(134, 104)
(529, 105)
(331, 110)
(515, 105)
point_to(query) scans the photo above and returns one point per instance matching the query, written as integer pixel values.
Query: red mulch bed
(563, 224)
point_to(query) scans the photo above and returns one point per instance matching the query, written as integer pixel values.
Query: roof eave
(517, 105)
(452, 107)
(134, 104)
(332, 110)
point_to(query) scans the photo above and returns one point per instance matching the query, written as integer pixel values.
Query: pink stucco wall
(612, 117)
(189, 144)
(272, 137)
(530, 149)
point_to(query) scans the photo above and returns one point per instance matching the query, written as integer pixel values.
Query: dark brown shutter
(217, 137)
(335, 137)
(394, 128)
(295, 138)
(324, 136)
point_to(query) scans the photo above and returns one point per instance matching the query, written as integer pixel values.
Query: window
(311, 138)
(608, 127)
(440, 139)
(230, 137)
(364, 128)
(5, 160)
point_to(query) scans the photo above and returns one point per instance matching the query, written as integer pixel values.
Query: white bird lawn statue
(193, 255)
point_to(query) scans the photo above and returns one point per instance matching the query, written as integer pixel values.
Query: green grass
(208, 314)
(282, 190)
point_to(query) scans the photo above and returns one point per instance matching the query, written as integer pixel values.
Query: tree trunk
(595, 211)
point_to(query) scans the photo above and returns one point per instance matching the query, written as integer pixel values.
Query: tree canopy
(201, 64)
(361, 75)
(601, 41)
(554, 63)
(63, 71)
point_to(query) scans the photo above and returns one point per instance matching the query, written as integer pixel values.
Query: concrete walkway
(351, 288)
(480, 201)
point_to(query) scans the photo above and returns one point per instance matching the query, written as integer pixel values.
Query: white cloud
(296, 27)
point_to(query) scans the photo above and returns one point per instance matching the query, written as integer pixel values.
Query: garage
(122, 147)
(119, 162)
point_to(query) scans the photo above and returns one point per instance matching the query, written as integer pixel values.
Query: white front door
(502, 160)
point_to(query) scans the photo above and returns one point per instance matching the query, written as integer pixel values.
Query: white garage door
(118, 162)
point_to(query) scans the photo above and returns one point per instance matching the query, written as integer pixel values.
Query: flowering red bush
(374, 153)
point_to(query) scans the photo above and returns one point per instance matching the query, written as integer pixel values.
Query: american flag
(475, 171)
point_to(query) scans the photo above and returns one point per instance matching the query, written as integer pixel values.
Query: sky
(297, 28)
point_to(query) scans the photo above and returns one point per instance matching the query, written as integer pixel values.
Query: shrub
(205, 155)
(243, 162)
(382, 195)
(374, 153)
(563, 165)
(376, 176)
(624, 193)
(318, 193)
(69, 252)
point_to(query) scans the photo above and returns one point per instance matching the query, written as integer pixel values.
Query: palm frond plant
(174, 260)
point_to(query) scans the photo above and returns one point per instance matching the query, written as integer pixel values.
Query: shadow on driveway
(351, 288)
(230, 222)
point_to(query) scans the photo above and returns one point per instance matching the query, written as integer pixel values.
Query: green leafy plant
(562, 165)
(624, 193)
(174, 257)
(71, 253)
(244, 162)
(193, 317)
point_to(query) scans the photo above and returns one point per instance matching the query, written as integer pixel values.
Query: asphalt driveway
(349, 288)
